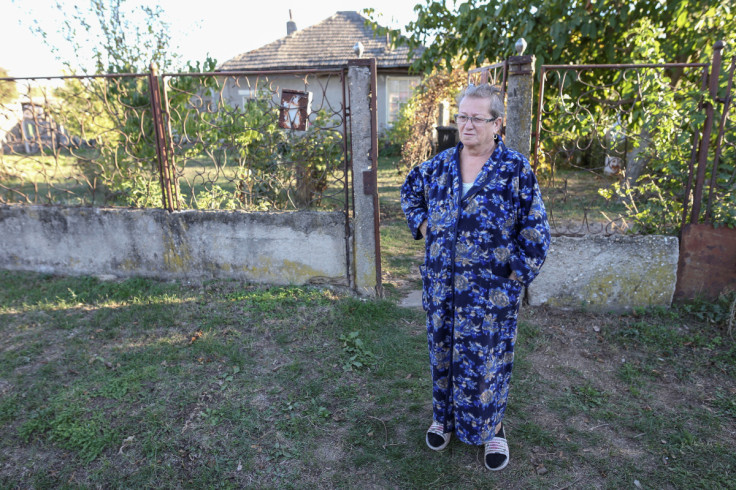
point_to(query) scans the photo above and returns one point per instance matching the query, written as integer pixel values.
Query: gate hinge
(369, 183)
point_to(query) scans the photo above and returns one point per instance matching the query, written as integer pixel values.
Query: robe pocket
(425, 287)
(504, 296)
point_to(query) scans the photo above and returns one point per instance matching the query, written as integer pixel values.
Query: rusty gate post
(173, 184)
(708, 127)
(364, 140)
(161, 150)
(519, 92)
(719, 140)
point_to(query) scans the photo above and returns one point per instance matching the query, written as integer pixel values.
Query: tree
(559, 31)
(657, 122)
(109, 36)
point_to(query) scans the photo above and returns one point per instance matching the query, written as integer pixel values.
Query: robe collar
(488, 171)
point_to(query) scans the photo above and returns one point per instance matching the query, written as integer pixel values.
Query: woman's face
(479, 135)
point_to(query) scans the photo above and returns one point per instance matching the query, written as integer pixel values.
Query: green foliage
(725, 402)
(359, 356)
(418, 117)
(719, 312)
(604, 32)
(71, 427)
(660, 126)
(109, 36)
(83, 111)
(589, 396)
(400, 132)
(112, 114)
(557, 31)
(274, 168)
(315, 155)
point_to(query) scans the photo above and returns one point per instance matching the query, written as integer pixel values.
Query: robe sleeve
(533, 235)
(413, 202)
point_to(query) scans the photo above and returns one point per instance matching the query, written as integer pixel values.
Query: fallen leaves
(195, 336)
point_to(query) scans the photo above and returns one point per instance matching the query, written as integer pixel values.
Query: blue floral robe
(473, 244)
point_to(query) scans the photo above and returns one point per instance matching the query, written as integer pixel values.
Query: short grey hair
(492, 93)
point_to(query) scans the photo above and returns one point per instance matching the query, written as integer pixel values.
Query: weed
(9, 407)
(72, 427)
(359, 356)
(226, 378)
(719, 312)
(662, 338)
(534, 434)
(589, 396)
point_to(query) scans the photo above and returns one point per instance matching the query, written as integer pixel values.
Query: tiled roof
(327, 44)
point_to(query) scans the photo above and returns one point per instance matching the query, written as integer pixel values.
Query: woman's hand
(423, 228)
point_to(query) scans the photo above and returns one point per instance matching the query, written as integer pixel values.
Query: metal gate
(584, 123)
(251, 140)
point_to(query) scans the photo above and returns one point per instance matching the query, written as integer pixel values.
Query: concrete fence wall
(603, 273)
(608, 273)
(277, 248)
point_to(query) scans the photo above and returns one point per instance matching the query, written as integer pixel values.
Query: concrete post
(519, 93)
(366, 240)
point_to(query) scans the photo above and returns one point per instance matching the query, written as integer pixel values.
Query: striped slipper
(437, 438)
(496, 455)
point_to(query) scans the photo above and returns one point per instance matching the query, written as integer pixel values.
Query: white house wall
(326, 94)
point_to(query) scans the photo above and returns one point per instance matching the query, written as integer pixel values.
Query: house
(329, 44)
(27, 126)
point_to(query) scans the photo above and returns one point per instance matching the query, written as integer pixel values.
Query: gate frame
(701, 145)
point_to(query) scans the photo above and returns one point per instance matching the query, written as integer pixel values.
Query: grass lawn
(45, 178)
(575, 207)
(141, 383)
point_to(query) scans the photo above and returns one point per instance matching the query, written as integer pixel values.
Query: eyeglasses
(463, 119)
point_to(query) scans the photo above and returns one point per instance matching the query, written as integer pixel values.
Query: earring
(495, 138)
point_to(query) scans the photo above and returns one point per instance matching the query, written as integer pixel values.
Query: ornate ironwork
(177, 140)
(231, 152)
(598, 125)
(78, 141)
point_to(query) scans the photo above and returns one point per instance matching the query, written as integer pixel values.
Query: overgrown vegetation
(660, 128)
(100, 133)
(653, 112)
(414, 129)
(226, 156)
(263, 166)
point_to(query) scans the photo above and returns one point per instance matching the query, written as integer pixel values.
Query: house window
(247, 95)
(399, 90)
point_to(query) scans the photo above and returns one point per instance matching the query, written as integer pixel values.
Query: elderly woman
(479, 208)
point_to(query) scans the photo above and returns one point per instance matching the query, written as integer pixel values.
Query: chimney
(291, 25)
